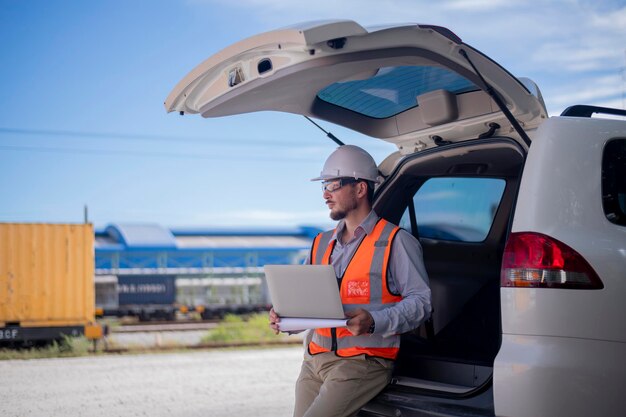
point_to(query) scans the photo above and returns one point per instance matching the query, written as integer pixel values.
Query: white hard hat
(349, 161)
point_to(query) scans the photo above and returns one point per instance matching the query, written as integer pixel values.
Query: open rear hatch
(413, 85)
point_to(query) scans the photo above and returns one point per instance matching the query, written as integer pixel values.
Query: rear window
(393, 89)
(456, 209)
(614, 181)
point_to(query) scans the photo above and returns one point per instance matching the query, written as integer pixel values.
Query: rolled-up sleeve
(407, 277)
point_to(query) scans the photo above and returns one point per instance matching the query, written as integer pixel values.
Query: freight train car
(163, 297)
(215, 296)
(46, 282)
(147, 297)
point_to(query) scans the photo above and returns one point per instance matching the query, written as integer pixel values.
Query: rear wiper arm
(330, 135)
(494, 95)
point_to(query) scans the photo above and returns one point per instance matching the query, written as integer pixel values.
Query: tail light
(536, 260)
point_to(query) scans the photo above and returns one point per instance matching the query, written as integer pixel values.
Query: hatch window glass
(457, 209)
(614, 181)
(393, 89)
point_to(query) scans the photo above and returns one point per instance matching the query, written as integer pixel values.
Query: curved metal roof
(141, 235)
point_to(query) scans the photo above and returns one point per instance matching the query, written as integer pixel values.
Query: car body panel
(560, 196)
(556, 376)
(303, 63)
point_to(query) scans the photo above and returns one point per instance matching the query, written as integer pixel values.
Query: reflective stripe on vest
(322, 240)
(364, 285)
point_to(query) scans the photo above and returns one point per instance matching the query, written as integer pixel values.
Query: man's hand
(360, 321)
(274, 320)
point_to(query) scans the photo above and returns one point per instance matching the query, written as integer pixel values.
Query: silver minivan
(521, 216)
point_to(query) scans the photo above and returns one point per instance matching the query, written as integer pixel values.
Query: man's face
(340, 196)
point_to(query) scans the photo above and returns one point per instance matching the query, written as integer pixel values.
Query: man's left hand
(360, 321)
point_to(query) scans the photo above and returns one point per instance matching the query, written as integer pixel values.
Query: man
(384, 291)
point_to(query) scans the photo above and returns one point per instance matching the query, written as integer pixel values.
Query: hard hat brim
(378, 179)
(325, 177)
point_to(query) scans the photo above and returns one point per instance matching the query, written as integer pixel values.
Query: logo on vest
(358, 289)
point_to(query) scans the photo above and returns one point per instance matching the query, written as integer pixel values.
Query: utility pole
(624, 82)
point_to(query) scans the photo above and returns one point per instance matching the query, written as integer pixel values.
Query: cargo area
(46, 280)
(454, 352)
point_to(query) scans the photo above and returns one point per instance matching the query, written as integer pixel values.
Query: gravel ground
(206, 383)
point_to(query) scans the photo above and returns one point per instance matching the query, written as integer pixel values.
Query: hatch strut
(330, 135)
(494, 95)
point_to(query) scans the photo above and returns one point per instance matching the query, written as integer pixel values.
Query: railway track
(164, 327)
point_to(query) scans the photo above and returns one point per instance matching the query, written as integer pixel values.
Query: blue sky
(83, 83)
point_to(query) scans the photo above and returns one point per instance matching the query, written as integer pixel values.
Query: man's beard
(338, 215)
(341, 214)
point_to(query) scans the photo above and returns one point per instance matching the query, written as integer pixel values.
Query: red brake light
(536, 260)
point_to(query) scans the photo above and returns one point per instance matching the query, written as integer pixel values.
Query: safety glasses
(334, 185)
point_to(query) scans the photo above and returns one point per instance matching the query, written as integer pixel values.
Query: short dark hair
(370, 186)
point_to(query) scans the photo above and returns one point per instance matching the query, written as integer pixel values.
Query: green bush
(235, 329)
(75, 346)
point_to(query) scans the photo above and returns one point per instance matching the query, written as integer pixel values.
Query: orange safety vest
(363, 285)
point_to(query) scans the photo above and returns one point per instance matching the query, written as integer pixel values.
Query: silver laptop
(304, 291)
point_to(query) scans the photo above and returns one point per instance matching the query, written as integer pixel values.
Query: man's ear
(362, 190)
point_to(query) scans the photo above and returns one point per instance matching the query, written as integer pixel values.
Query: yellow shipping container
(46, 280)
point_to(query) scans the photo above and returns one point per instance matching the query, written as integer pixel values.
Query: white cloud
(612, 21)
(615, 103)
(596, 90)
(588, 38)
(476, 5)
(580, 55)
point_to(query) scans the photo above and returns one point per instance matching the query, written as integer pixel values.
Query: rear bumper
(558, 376)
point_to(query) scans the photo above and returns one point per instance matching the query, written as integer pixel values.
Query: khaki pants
(330, 386)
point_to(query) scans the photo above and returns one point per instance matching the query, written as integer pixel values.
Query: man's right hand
(274, 320)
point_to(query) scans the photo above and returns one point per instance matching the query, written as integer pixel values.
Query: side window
(614, 181)
(457, 209)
